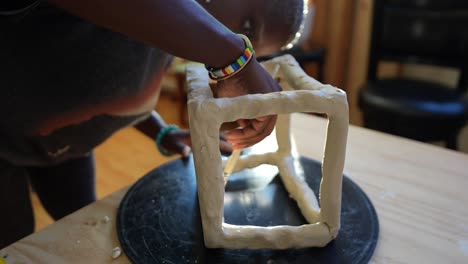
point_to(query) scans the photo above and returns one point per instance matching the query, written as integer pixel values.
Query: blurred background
(401, 62)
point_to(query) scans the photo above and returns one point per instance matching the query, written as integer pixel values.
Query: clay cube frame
(301, 93)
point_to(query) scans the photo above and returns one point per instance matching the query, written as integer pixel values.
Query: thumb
(182, 149)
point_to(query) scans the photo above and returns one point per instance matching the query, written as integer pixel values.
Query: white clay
(230, 164)
(116, 252)
(106, 219)
(301, 93)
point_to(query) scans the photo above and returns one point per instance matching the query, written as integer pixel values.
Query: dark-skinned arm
(184, 29)
(176, 141)
(180, 27)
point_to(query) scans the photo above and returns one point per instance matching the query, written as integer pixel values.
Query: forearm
(180, 27)
(151, 126)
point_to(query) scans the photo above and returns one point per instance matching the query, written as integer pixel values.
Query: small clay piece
(106, 219)
(116, 252)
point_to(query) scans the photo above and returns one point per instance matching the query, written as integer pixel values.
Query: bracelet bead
(159, 137)
(219, 74)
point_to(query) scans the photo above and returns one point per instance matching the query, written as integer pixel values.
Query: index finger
(255, 127)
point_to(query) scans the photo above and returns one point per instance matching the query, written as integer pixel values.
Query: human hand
(179, 142)
(252, 79)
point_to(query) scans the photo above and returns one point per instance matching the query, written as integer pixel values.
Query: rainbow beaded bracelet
(235, 67)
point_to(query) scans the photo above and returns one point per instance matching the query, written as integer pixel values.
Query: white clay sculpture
(301, 93)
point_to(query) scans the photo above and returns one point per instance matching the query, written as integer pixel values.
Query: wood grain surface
(418, 191)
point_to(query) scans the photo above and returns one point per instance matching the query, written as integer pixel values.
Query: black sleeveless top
(53, 63)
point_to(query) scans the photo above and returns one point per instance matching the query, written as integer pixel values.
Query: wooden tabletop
(418, 190)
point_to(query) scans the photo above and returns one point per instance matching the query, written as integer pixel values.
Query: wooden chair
(430, 32)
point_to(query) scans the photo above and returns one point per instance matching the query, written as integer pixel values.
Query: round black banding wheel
(159, 218)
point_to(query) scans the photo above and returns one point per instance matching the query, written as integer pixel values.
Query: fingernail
(186, 151)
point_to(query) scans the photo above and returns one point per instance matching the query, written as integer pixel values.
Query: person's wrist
(234, 46)
(235, 66)
(160, 136)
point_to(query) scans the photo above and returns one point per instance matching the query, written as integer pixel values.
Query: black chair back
(433, 32)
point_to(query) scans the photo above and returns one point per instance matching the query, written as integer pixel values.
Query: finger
(174, 142)
(228, 126)
(182, 149)
(233, 125)
(184, 136)
(243, 122)
(242, 133)
(255, 128)
(225, 147)
(264, 118)
(222, 136)
(261, 125)
(244, 142)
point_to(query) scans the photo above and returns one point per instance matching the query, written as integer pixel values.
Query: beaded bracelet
(163, 132)
(219, 74)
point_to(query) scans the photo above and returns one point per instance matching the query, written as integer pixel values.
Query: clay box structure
(301, 93)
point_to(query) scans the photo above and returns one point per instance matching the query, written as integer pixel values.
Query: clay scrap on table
(301, 93)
